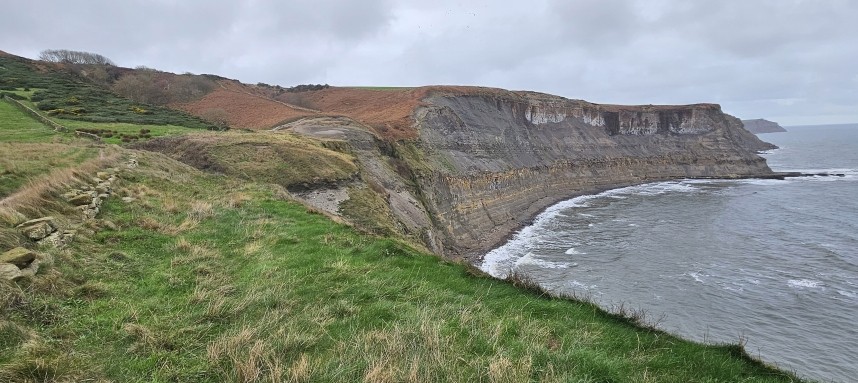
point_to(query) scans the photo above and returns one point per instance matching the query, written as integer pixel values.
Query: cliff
(484, 161)
(762, 126)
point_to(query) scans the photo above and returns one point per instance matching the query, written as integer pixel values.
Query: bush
(13, 96)
(47, 105)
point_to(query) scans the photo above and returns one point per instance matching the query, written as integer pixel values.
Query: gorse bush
(62, 90)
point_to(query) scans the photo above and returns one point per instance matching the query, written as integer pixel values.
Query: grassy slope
(209, 278)
(53, 89)
(248, 287)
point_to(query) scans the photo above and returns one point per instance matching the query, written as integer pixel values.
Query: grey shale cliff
(495, 159)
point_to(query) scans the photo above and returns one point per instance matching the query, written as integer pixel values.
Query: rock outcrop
(492, 160)
(760, 125)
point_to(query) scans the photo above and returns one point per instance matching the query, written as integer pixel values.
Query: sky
(790, 61)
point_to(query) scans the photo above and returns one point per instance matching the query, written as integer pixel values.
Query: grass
(284, 159)
(207, 278)
(16, 126)
(119, 128)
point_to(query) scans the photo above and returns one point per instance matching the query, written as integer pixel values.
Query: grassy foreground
(205, 278)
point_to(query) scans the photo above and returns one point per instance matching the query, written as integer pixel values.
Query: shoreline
(477, 256)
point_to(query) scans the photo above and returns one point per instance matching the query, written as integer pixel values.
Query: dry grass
(35, 197)
(200, 210)
(245, 358)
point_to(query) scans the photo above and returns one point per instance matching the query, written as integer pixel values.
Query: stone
(128, 199)
(81, 199)
(102, 175)
(31, 270)
(10, 272)
(18, 256)
(37, 229)
(103, 196)
(103, 187)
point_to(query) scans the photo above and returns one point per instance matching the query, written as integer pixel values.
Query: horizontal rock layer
(493, 161)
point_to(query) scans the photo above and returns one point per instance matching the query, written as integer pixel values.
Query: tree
(74, 57)
(216, 116)
(142, 88)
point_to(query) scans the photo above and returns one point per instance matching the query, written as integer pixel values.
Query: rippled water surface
(774, 263)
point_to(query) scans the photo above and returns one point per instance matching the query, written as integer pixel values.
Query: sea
(770, 264)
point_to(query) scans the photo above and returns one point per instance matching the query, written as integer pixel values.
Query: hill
(199, 255)
(760, 125)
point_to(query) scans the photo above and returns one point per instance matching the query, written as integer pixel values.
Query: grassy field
(17, 126)
(207, 278)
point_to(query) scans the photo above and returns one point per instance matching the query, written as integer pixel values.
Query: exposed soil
(387, 111)
(244, 108)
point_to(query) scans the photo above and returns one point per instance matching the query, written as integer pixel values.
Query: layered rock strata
(496, 160)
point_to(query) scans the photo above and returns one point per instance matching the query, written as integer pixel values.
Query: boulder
(18, 256)
(102, 175)
(10, 272)
(37, 229)
(103, 187)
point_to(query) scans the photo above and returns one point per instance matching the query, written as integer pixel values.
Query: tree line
(74, 57)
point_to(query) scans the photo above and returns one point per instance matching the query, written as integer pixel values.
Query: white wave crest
(804, 283)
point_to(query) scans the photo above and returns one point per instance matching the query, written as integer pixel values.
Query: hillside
(760, 125)
(303, 254)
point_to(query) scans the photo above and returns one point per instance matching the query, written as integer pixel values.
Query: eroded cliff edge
(492, 160)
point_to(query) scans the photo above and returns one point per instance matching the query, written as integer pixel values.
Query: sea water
(772, 264)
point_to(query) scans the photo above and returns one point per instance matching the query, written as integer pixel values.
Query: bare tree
(216, 116)
(74, 57)
(143, 88)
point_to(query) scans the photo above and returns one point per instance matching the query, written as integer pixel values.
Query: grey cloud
(790, 59)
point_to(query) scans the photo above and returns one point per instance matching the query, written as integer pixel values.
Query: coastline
(477, 256)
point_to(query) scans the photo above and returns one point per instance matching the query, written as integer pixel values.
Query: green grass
(124, 128)
(17, 126)
(205, 278)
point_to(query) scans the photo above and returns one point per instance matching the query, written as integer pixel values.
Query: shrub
(47, 105)
(12, 95)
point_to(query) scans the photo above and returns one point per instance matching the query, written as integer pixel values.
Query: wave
(805, 283)
(501, 261)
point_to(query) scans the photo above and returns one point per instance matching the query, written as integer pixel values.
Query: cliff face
(492, 161)
(762, 126)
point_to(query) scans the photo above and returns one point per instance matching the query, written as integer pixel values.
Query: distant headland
(760, 125)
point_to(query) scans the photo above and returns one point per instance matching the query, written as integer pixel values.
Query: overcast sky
(792, 61)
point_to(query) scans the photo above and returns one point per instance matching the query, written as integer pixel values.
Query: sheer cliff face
(497, 160)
